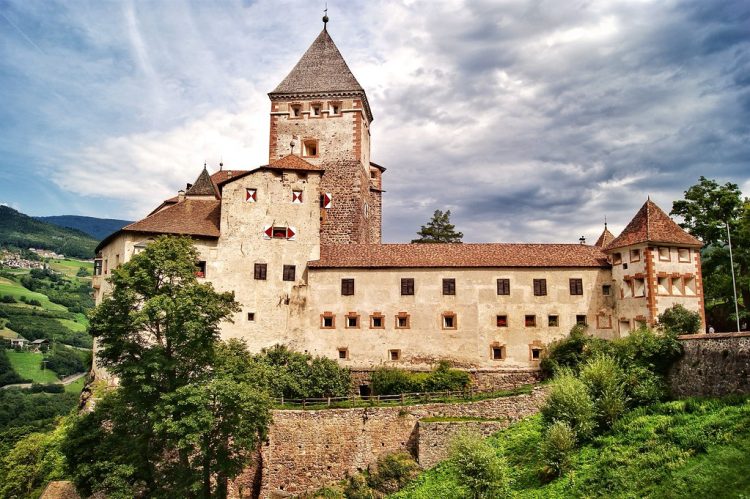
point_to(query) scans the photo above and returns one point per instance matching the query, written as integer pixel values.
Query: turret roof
(606, 238)
(203, 186)
(652, 225)
(322, 71)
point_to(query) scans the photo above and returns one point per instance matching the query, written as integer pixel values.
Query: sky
(531, 121)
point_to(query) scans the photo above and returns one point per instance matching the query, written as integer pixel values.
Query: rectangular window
(251, 316)
(377, 321)
(327, 320)
(635, 255)
(502, 321)
(98, 266)
(498, 352)
(530, 320)
(450, 320)
(200, 269)
(106, 264)
(347, 287)
(503, 286)
(315, 110)
(639, 287)
(343, 353)
(260, 271)
(663, 288)
(581, 320)
(576, 286)
(310, 149)
(295, 110)
(402, 321)
(616, 258)
(664, 254)
(536, 353)
(683, 255)
(352, 321)
(677, 288)
(540, 287)
(689, 288)
(394, 354)
(289, 271)
(606, 289)
(407, 286)
(334, 108)
(449, 286)
(553, 321)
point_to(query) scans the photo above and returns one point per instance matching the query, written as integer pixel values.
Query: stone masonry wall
(435, 437)
(712, 365)
(307, 450)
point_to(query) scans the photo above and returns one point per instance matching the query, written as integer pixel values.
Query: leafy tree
(706, 211)
(64, 361)
(481, 470)
(173, 414)
(679, 320)
(439, 230)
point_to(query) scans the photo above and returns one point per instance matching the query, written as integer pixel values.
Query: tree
(706, 211)
(439, 230)
(679, 320)
(184, 427)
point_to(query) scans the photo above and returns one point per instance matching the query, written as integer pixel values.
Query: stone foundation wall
(434, 437)
(712, 365)
(307, 450)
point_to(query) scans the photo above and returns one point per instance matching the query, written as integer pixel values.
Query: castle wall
(476, 305)
(435, 437)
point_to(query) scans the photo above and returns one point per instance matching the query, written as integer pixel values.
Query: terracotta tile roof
(203, 186)
(194, 217)
(222, 176)
(459, 255)
(652, 225)
(321, 70)
(606, 238)
(293, 162)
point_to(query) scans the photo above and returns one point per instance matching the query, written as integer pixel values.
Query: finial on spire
(325, 17)
(605, 221)
(205, 165)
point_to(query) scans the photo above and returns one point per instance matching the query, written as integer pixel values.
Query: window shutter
(291, 233)
(297, 197)
(267, 231)
(327, 200)
(251, 195)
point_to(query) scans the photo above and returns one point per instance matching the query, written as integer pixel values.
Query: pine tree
(439, 230)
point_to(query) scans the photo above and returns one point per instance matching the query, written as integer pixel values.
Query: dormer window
(295, 110)
(310, 149)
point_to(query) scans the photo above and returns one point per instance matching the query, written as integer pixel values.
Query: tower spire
(325, 18)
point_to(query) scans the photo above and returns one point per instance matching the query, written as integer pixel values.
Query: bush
(65, 361)
(392, 472)
(46, 388)
(392, 381)
(7, 299)
(445, 379)
(569, 401)
(604, 379)
(566, 353)
(559, 441)
(356, 488)
(480, 469)
(679, 320)
(643, 386)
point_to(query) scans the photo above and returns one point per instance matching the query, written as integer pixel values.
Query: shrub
(8, 299)
(392, 381)
(392, 472)
(655, 351)
(559, 441)
(567, 352)
(46, 388)
(443, 378)
(569, 401)
(679, 320)
(34, 302)
(643, 386)
(356, 488)
(604, 380)
(480, 469)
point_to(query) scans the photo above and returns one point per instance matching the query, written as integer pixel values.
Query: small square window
(310, 149)
(260, 272)
(553, 321)
(616, 258)
(315, 110)
(576, 286)
(296, 197)
(502, 321)
(449, 320)
(334, 108)
(200, 269)
(530, 320)
(503, 286)
(635, 255)
(407, 286)
(347, 287)
(352, 321)
(402, 321)
(606, 289)
(289, 272)
(295, 110)
(279, 233)
(327, 320)
(251, 316)
(625, 266)
(498, 352)
(581, 320)
(394, 354)
(536, 353)
(683, 255)
(449, 286)
(343, 353)
(376, 321)
(251, 195)
(540, 287)
(664, 255)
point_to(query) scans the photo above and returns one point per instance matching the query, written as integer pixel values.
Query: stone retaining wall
(712, 365)
(307, 450)
(435, 437)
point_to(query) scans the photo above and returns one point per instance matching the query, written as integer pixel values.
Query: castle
(298, 241)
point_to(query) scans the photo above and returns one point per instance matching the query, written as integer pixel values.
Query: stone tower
(321, 113)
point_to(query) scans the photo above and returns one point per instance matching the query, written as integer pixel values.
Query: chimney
(582, 240)
(181, 195)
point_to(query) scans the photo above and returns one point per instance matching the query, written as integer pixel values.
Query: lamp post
(734, 284)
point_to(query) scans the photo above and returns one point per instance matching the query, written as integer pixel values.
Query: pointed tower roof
(652, 225)
(606, 238)
(321, 72)
(203, 186)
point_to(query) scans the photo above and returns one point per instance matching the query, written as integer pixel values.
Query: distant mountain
(22, 231)
(98, 228)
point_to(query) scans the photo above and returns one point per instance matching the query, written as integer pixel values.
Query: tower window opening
(295, 110)
(315, 110)
(310, 149)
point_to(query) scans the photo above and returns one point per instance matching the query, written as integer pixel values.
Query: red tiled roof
(194, 217)
(222, 176)
(459, 255)
(606, 238)
(292, 162)
(652, 225)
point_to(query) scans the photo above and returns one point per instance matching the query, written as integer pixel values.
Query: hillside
(22, 231)
(98, 228)
(685, 448)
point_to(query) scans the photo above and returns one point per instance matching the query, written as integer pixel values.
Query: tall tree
(706, 211)
(188, 427)
(439, 230)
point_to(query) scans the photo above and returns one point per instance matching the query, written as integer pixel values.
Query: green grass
(28, 365)
(76, 386)
(681, 449)
(14, 289)
(72, 325)
(70, 267)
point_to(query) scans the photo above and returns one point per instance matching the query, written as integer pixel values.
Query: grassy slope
(28, 365)
(10, 287)
(689, 448)
(70, 267)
